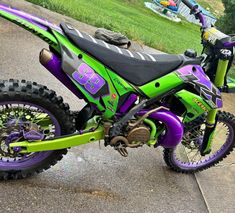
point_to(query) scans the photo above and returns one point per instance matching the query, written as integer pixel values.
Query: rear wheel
(186, 157)
(30, 111)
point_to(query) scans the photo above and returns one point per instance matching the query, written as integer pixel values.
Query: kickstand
(99, 144)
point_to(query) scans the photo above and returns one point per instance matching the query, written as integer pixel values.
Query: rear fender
(38, 26)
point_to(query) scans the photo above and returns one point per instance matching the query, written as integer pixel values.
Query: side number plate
(90, 80)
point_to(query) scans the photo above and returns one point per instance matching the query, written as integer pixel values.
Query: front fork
(211, 119)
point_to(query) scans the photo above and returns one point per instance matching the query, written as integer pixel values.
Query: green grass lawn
(131, 18)
(214, 6)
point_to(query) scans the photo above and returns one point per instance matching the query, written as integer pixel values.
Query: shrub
(227, 22)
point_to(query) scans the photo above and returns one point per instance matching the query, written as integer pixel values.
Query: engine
(134, 135)
(138, 136)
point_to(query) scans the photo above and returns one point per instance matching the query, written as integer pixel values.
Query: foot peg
(120, 143)
(122, 150)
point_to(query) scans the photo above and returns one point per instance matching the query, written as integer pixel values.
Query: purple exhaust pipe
(53, 64)
(174, 127)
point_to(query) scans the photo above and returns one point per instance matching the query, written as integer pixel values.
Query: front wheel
(29, 111)
(186, 157)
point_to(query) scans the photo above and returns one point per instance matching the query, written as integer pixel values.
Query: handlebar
(232, 43)
(199, 15)
(229, 44)
(188, 4)
(196, 12)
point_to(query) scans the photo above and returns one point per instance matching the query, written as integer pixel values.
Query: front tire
(23, 102)
(179, 160)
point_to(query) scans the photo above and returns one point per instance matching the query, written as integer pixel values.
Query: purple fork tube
(53, 64)
(174, 127)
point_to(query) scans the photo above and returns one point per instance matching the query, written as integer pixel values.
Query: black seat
(137, 68)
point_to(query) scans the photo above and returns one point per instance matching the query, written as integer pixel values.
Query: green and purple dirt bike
(133, 99)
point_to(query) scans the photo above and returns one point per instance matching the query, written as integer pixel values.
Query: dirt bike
(133, 99)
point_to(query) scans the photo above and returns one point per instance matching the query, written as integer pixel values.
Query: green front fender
(231, 85)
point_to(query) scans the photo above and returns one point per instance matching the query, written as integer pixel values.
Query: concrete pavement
(93, 179)
(218, 183)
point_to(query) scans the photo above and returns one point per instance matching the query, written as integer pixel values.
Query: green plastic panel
(161, 85)
(194, 104)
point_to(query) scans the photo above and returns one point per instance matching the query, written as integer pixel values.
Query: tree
(227, 22)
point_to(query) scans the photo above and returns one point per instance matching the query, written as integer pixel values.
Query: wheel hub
(14, 133)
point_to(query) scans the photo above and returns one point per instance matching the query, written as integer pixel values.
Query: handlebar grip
(188, 4)
(196, 12)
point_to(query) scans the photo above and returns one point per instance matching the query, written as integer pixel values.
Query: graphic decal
(26, 26)
(195, 76)
(201, 105)
(40, 22)
(91, 81)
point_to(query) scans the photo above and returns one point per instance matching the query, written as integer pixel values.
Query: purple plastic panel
(195, 75)
(33, 135)
(198, 75)
(174, 127)
(42, 23)
(130, 101)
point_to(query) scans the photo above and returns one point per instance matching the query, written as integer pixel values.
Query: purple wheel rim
(211, 158)
(37, 157)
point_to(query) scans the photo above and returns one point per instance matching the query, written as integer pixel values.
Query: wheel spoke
(17, 115)
(191, 156)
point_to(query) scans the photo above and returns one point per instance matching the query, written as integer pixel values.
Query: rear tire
(14, 91)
